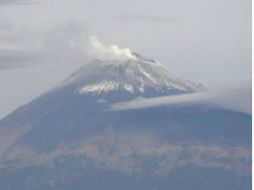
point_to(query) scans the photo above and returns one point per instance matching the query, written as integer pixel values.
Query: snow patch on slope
(105, 86)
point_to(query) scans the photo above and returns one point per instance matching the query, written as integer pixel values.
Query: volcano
(67, 138)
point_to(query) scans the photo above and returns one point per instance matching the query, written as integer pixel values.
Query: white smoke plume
(110, 52)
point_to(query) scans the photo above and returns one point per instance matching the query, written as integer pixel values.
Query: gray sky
(43, 41)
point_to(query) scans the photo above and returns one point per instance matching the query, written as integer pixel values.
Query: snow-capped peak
(140, 76)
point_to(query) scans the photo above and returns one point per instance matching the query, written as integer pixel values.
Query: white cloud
(160, 101)
(6, 2)
(235, 98)
(151, 18)
(12, 56)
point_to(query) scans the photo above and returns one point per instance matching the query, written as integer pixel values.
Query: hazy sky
(43, 41)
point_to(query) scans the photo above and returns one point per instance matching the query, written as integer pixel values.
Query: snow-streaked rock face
(135, 76)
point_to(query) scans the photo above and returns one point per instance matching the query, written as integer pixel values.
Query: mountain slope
(66, 137)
